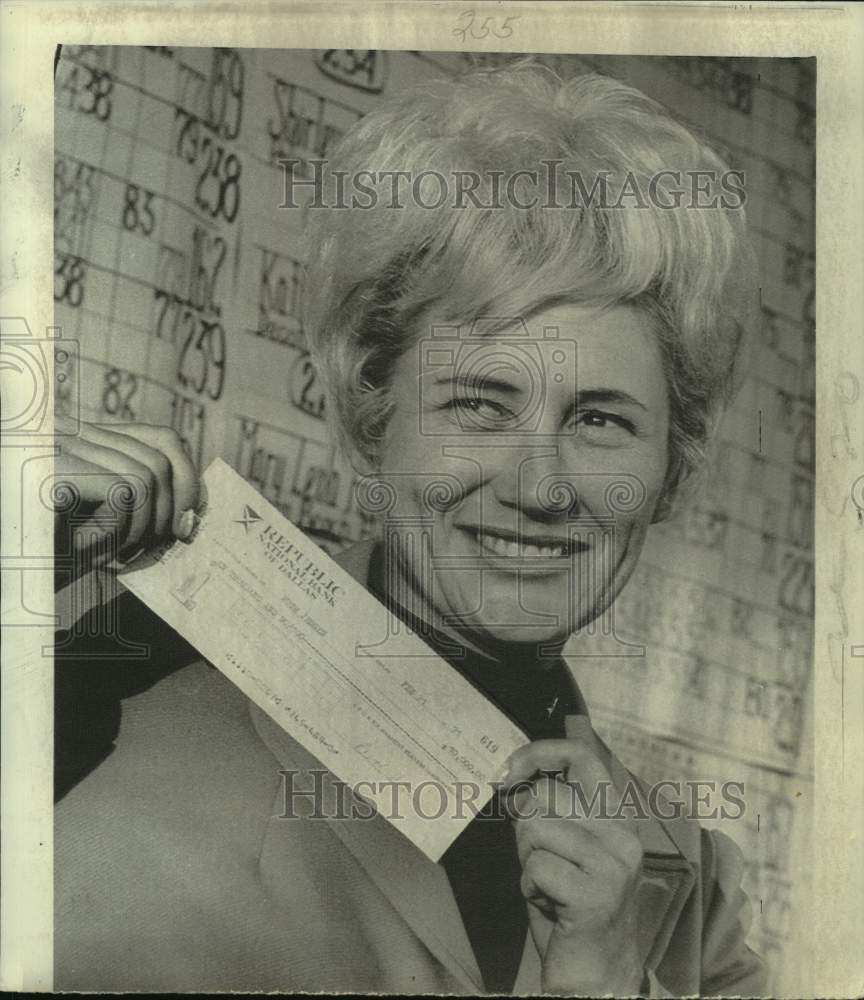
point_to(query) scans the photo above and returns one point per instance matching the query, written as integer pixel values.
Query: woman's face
(528, 430)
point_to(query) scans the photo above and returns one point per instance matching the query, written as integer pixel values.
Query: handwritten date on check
(315, 650)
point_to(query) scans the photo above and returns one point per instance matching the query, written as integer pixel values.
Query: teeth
(502, 547)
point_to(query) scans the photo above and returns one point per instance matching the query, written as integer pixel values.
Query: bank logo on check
(249, 518)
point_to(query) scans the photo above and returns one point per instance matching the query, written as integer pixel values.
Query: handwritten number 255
(469, 28)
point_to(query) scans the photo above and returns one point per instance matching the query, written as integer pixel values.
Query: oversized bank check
(329, 663)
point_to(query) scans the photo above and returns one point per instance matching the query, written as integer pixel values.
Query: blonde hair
(373, 272)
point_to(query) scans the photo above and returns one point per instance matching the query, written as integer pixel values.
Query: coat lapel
(417, 887)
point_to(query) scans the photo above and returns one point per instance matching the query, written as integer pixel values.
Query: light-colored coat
(176, 871)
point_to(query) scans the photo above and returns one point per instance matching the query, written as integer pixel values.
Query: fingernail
(186, 525)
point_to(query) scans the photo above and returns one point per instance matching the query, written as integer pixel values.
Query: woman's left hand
(579, 873)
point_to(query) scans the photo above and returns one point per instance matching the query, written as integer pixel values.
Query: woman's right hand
(121, 489)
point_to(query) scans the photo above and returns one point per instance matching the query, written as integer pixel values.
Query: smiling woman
(529, 385)
(560, 368)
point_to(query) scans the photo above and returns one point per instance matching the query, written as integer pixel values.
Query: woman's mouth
(514, 545)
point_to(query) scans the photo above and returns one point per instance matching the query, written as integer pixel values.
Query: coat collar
(420, 891)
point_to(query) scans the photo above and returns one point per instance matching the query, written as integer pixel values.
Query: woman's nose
(536, 484)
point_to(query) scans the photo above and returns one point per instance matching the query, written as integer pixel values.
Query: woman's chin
(509, 618)
(519, 635)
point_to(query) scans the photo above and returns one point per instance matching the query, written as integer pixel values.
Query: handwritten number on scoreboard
(225, 94)
(218, 188)
(87, 90)
(361, 68)
(73, 197)
(188, 419)
(208, 256)
(137, 210)
(305, 388)
(321, 484)
(202, 358)
(118, 393)
(68, 279)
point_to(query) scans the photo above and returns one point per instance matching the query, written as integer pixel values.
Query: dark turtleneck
(482, 864)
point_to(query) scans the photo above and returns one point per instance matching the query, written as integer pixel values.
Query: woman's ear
(362, 464)
(664, 508)
(363, 461)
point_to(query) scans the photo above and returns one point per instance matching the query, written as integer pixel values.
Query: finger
(543, 796)
(573, 757)
(77, 478)
(185, 488)
(598, 818)
(98, 541)
(78, 482)
(597, 846)
(565, 894)
(110, 436)
(564, 838)
(128, 487)
(547, 875)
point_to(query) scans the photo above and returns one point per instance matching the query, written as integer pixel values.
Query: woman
(565, 320)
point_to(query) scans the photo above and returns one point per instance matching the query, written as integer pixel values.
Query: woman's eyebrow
(589, 396)
(478, 383)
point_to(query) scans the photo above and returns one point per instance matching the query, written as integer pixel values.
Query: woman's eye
(485, 409)
(596, 419)
(612, 423)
